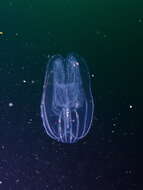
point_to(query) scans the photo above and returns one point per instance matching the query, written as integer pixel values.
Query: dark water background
(108, 34)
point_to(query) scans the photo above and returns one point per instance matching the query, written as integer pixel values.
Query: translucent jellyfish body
(67, 104)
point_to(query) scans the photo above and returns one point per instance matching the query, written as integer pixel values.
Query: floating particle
(105, 35)
(93, 75)
(10, 3)
(140, 20)
(10, 104)
(24, 81)
(113, 131)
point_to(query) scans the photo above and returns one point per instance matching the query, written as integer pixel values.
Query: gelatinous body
(67, 104)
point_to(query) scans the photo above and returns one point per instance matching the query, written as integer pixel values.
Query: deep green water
(107, 33)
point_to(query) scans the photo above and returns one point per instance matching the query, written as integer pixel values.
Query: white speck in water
(140, 20)
(10, 104)
(92, 75)
(32, 81)
(24, 81)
